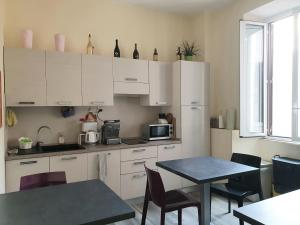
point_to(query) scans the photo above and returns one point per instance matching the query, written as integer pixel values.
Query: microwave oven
(152, 132)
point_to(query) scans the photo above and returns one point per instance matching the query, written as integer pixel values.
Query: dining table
(278, 210)
(202, 171)
(82, 203)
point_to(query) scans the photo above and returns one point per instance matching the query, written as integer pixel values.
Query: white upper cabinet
(194, 83)
(97, 80)
(25, 81)
(160, 79)
(63, 73)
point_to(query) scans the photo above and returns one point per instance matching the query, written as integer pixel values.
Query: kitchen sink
(51, 148)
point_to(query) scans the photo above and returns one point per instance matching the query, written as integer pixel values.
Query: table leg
(205, 203)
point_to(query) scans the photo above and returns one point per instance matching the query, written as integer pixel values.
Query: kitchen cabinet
(169, 152)
(97, 81)
(194, 83)
(113, 169)
(139, 153)
(138, 165)
(160, 81)
(75, 166)
(133, 185)
(16, 169)
(63, 74)
(25, 79)
(130, 76)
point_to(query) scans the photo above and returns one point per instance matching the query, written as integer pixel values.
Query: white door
(194, 83)
(63, 74)
(169, 152)
(160, 79)
(113, 169)
(25, 79)
(75, 166)
(97, 80)
(130, 70)
(16, 169)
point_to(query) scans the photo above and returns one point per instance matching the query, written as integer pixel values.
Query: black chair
(241, 187)
(168, 201)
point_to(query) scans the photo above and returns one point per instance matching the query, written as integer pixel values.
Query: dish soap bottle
(61, 138)
(90, 47)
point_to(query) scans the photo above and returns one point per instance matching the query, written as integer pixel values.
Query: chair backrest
(247, 182)
(156, 187)
(42, 180)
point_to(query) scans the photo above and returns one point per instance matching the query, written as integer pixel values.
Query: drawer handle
(138, 176)
(26, 103)
(131, 79)
(195, 108)
(139, 150)
(97, 103)
(28, 162)
(139, 163)
(69, 158)
(63, 103)
(194, 102)
(171, 147)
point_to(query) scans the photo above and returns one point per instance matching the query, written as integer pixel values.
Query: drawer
(169, 152)
(138, 165)
(15, 169)
(75, 166)
(139, 153)
(133, 88)
(133, 185)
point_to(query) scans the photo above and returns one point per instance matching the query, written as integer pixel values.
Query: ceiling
(180, 6)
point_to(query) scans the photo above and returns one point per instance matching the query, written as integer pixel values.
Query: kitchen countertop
(93, 148)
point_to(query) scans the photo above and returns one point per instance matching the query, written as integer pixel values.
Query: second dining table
(203, 171)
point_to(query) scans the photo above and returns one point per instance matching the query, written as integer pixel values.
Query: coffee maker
(110, 132)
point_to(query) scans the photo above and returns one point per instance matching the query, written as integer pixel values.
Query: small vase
(27, 38)
(59, 42)
(188, 58)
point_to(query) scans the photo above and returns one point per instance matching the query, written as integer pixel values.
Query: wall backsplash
(127, 109)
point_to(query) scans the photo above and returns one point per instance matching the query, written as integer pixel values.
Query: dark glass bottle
(135, 52)
(117, 50)
(155, 55)
(179, 54)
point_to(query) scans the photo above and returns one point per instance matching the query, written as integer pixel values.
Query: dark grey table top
(82, 203)
(202, 170)
(280, 210)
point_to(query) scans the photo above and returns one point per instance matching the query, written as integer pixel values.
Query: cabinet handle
(171, 147)
(69, 158)
(138, 150)
(195, 108)
(97, 103)
(194, 102)
(63, 103)
(26, 103)
(161, 103)
(139, 163)
(138, 176)
(28, 162)
(131, 79)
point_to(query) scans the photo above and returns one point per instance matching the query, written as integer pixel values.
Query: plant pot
(188, 57)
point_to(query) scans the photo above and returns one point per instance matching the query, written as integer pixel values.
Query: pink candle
(27, 38)
(59, 42)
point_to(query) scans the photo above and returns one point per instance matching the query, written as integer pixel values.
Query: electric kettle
(90, 137)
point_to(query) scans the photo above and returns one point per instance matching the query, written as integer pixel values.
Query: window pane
(254, 55)
(283, 45)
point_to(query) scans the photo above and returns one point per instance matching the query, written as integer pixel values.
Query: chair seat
(178, 199)
(226, 191)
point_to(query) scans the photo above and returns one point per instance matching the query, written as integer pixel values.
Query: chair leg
(240, 204)
(145, 208)
(179, 216)
(162, 217)
(229, 205)
(210, 206)
(199, 215)
(261, 196)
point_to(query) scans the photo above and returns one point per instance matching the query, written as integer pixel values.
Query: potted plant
(189, 50)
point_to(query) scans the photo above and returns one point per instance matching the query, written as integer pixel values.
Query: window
(270, 78)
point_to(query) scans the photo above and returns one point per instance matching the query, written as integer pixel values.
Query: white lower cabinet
(138, 165)
(15, 169)
(169, 152)
(113, 169)
(133, 185)
(75, 166)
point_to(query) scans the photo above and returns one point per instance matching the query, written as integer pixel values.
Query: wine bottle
(90, 47)
(135, 52)
(155, 55)
(179, 54)
(117, 50)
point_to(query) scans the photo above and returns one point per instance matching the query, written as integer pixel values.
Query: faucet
(38, 143)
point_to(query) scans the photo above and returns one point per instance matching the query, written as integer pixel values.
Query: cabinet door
(97, 80)
(194, 83)
(133, 185)
(16, 169)
(169, 152)
(75, 166)
(25, 79)
(63, 73)
(130, 70)
(160, 79)
(113, 169)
